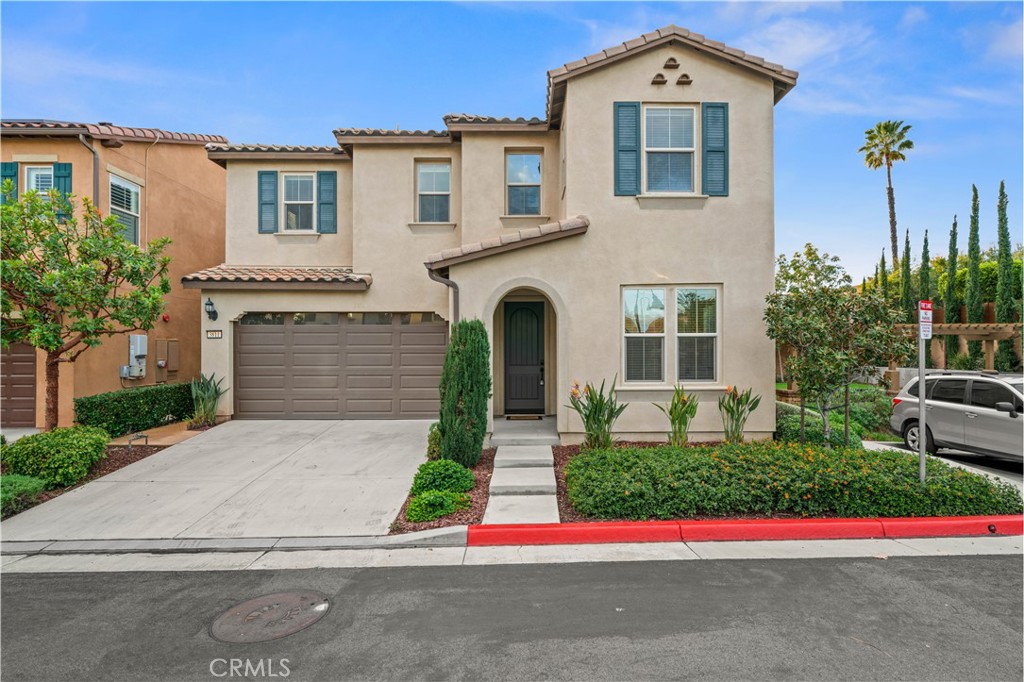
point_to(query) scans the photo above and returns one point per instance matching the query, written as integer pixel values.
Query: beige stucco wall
(723, 241)
(181, 197)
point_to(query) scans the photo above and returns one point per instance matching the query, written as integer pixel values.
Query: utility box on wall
(166, 360)
(137, 351)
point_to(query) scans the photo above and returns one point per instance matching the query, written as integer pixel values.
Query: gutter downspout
(450, 284)
(95, 170)
(145, 204)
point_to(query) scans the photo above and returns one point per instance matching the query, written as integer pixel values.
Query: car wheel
(910, 437)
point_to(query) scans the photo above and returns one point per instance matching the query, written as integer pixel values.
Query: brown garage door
(18, 385)
(338, 365)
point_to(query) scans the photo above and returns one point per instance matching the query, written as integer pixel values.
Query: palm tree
(884, 145)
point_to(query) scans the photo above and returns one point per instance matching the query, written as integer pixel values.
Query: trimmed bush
(17, 492)
(766, 478)
(433, 504)
(434, 442)
(870, 407)
(135, 409)
(443, 474)
(465, 389)
(61, 457)
(787, 430)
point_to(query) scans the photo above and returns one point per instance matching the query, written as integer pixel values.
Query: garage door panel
(345, 369)
(18, 385)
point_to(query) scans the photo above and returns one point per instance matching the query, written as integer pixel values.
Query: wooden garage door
(338, 365)
(18, 385)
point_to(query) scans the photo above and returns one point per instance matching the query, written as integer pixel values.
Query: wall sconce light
(211, 312)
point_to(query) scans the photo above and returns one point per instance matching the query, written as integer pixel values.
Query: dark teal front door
(524, 358)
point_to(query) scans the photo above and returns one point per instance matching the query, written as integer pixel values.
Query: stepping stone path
(523, 486)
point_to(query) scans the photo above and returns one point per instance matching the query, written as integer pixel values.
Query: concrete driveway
(245, 479)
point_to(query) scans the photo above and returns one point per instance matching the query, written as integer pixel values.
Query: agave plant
(680, 411)
(735, 408)
(206, 393)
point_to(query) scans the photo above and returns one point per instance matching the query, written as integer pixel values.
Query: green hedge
(787, 430)
(433, 504)
(17, 492)
(61, 457)
(135, 409)
(766, 478)
(442, 474)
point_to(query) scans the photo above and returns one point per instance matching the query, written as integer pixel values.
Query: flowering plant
(598, 412)
(735, 408)
(680, 411)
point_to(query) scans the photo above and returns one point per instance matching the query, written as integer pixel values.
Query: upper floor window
(669, 146)
(522, 175)
(433, 192)
(124, 205)
(39, 178)
(298, 201)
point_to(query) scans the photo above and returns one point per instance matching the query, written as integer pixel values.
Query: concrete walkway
(244, 479)
(522, 486)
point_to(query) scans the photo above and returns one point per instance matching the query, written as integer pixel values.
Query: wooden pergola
(986, 332)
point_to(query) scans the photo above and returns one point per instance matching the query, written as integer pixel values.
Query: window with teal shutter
(627, 149)
(62, 182)
(9, 171)
(715, 148)
(327, 202)
(267, 195)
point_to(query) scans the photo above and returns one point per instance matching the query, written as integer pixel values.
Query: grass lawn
(767, 478)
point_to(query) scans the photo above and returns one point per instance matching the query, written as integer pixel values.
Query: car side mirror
(1007, 407)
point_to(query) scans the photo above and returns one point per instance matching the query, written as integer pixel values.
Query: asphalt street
(901, 618)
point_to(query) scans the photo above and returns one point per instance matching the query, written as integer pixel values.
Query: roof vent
(659, 79)
(105, 123)
(684, 79)
(671, 63)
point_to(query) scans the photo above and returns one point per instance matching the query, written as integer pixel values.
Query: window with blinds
(653, 316)
(124, 205)
(39, 178)
(644, 329)
(669, 145)
(433, 192)
(697, 332)
(298, 202)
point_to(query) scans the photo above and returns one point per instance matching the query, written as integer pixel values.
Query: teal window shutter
(627, 149)
(715, 149)
(267, 192)
(327, 202)
(62, 183)
(9, 171)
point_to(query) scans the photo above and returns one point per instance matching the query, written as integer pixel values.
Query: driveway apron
(245, 479)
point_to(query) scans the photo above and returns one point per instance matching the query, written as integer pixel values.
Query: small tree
(975, 307)
(907, 303)
(949, 299)
(1006, 310)
(885, 278)
(926, 271)
(69, 280)
(465, 389)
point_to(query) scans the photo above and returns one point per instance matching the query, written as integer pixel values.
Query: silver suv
(976, 412)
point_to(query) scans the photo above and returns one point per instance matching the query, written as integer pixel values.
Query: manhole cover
(271, 616)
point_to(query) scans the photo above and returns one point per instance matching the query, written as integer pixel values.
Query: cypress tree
(465, 388)
(863, 285)
(1006, 357)
(874, 282)
(906, 291)
(949, 302)
(926, 271)
(885, 279)
(975, 309)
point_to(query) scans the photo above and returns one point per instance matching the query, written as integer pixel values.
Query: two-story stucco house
(157, 183)
(630, 234)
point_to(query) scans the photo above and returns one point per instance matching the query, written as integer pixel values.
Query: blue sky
(291, 72)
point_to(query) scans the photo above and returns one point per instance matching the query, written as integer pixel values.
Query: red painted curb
(739, 529)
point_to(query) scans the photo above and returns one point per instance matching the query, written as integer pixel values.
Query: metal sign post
(924, 322)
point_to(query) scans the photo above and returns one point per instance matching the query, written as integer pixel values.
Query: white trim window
(697, 334)
(522, 179)
(643, 312)
(298, 194)
(433, 191)
(39, 178)
(124, 205)
(669, 149)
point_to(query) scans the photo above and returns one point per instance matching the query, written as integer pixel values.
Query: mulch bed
(467, 517)
(118, 457)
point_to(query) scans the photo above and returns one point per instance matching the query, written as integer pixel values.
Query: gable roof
(541, 234)
(222, 153)
(783, 78)
(102, 131)
(276, 277)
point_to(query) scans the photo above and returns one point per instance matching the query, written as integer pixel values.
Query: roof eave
(210, 285)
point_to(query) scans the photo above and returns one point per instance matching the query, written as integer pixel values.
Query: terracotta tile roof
(275, 274)
(784, 78)
(222, 153)
(381, 132)
(509, 242)
(273, 148)
(103, 131)
(492, 120)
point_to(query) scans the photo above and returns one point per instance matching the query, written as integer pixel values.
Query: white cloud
(913, 16)
(1007, 42)
(799, 43)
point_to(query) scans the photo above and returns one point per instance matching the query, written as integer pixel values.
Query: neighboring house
(158, 184)
(628, 235)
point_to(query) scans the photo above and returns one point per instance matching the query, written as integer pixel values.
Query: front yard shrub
(206, 395)
(61, 457)
(17, 492)
(787, 430)
(766, 478)
(736, 408)
(598, 412)
(465, 390)
(442, 474)
(870, 407)
(135, 409)
(434, 442)
(433, 504)
(680, 411)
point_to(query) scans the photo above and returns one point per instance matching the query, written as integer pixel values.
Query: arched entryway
(525, 354)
